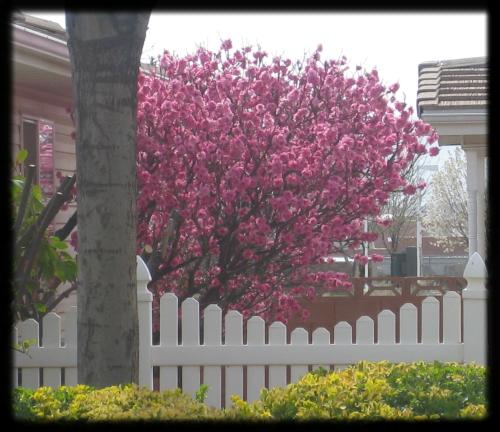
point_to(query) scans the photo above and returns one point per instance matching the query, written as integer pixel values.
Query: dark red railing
(370, 296)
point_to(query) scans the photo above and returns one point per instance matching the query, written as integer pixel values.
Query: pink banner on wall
(46, 158)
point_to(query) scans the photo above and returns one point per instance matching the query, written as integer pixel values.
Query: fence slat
(255, 374)
(145, 321)
(234, 374)
(342, 335)
(321, 336)
(452, 318)
(430, 321)
(70, 332)
(475, 302)
(365, 331)
(190, 337)
(386, 324)
(408, 324)
(299, 336)
(212, 334)
(15, 370)
(30, 377)
(169, 333)
(277, 336)
(51, 338)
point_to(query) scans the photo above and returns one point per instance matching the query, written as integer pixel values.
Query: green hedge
(367, 391)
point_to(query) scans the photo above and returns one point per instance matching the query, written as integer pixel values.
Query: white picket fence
(231, 357)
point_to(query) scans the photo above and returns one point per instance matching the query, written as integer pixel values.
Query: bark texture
(105, 51)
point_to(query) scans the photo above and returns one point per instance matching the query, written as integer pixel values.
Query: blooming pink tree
(250, 172)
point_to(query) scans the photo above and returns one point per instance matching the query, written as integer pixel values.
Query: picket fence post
(145, 312)
(474, 301)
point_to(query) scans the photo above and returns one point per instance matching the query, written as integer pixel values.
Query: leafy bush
(127, 402)
(41, 260)
(374, 391)
(366, 391)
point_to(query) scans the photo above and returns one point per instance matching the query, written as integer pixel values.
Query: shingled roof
(453, 84)
(40, 25)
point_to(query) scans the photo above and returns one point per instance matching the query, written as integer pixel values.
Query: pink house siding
(64, 146)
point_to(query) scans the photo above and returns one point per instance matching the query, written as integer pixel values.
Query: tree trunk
(105, 51)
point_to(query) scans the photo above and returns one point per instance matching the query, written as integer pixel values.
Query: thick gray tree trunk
(105, 51)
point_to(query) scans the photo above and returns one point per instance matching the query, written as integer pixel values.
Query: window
(38, 140)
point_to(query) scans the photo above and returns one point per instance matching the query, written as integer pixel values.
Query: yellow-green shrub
(372, 391)
(127, 402)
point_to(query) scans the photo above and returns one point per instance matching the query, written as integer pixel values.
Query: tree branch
(62, 296)
(63, 232)
(41, 225)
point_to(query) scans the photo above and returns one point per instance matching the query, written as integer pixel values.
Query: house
(453, 97)
(42, 97)
(434, 261)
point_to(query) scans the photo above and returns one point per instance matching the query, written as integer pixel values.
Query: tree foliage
(250, 171)
(446, 209)
(41, 261)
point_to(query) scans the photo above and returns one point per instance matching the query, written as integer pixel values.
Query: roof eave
(40, 43)
(454, 126)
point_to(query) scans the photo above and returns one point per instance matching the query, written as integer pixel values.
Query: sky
(394, 43)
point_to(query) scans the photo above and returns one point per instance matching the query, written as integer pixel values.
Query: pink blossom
(394, 88)
(74, 240)
(421, 185)
(369, 236)
(434, 151)
(248, 254)
(377, 258)
(383, 222)
(313, 77)
(227, 44)
(361, 259)
(410, 189)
